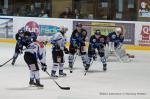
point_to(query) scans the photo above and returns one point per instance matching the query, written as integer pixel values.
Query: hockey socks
(71, 58)
(54, 69)
(34, 75)
(84, 59)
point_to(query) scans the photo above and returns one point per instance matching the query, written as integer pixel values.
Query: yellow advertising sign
(104, 27)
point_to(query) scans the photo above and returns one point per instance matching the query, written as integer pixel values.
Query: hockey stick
(89, 67)
(118, 56)
(6, 62)
(64, 88)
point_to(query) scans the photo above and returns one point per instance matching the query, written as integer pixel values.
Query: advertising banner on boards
(6, 27)
(136, 33)
(42, 26)
(106, 27)
(142, 34)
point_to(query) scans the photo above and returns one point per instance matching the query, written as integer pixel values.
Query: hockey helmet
(79, 25)
(33, 36)
(118, 30)
(27, 33)
(62, 28)
(66, 29)
(97, 32)
(22, 30)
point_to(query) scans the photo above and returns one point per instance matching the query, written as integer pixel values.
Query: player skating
(58, 49)
(97, 43)
(35, 52)
(77, 42)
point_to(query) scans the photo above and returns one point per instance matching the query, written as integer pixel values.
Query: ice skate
(13, 62)
(62, 74)
(32, 83)
(87, 67)
(70, 68)
(38, 84)
(104, 67)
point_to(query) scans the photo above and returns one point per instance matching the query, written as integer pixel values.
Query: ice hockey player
(97, 42)
(115, 39)
(77, 42)
(21, 42)
(115, 42)
(58, 41)
(19, 45)
(34, 54)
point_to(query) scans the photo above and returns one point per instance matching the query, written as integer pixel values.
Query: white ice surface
(121, 79)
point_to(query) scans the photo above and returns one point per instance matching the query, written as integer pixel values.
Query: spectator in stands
(66, 14)
(4, 11)
(21, 11)
(0, 11)
(43, 14)
(32, 12)
(90, 16)
(10, 12)
(76, 14)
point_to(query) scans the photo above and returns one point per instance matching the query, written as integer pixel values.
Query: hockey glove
(66, 50)
(75, 46)
(44, 67)
(20, 51)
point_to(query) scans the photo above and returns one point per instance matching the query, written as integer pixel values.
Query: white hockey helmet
(118, 30)
(62, 28)
(66, 29)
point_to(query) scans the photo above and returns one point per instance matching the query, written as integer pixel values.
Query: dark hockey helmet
(33, 36)
(27, 33)
(79, 25)
(22, 30)
(97, 32)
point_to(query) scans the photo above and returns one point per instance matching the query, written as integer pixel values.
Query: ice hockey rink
(121, 81)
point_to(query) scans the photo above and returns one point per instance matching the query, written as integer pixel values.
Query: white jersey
(37, 50)
(59, 39)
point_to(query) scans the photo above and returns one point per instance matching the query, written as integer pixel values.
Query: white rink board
(19, 22)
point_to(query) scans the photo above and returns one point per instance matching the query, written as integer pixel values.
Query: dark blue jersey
(33, 36)
(78, 39)
(113, 37)
(74, 42)
(97, 42)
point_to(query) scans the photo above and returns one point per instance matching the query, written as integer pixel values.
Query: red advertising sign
(145, 36)
(32, 26)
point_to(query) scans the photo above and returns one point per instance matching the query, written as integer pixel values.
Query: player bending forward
(35, 52)
(97, 42)
(58, 49)
(115, 42)
(21, 42)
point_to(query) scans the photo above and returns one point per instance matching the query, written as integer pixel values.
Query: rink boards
(137, 34)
